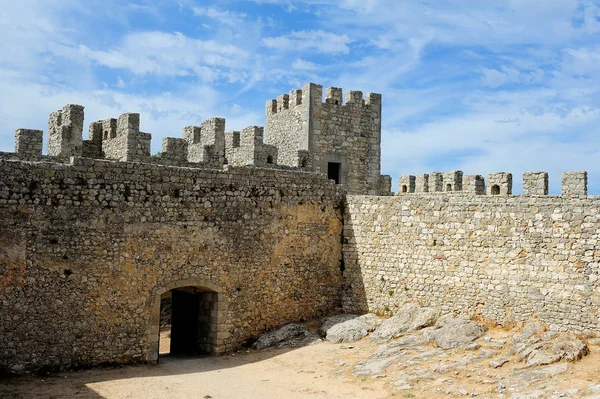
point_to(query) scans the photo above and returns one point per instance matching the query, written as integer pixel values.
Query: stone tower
(339, 138)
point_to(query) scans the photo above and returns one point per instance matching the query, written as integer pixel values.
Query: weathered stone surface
(92, 243)
(454, 332)
(348, 328)
(291, 335)
(409, 318)
(566, 346)
(594, 341)
(497, 258)
(330, 321)
(593, 392)
(378, 362)
(87, 249)
(498, 362)
(548, 335)
(523, 379)
(346, 133)
(530, 329)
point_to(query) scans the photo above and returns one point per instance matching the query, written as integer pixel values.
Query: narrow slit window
(334, 171)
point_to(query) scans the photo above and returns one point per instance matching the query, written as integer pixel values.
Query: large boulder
(290, 335)
(328, 322)
(455, 332)
(409, 318)
(348, 328)
(563, 347)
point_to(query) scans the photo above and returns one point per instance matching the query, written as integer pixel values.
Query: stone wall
(502, 258)
(288, 124)
(350, 134)
(246, 148)
(28, 144)
(65, 128)
(88, 248)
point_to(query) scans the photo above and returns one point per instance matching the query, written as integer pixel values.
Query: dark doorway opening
(186, 315)
(495, 189)
(184, 323)
(334, 170)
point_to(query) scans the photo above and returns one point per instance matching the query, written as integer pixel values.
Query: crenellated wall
(346, 133)
(500, 183)
(499, 257)
(88, 247)
(96, 231)
(288, 123)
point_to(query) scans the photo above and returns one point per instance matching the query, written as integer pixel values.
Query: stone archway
(214, 301)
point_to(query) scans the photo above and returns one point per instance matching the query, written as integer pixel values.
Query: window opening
(334, 171)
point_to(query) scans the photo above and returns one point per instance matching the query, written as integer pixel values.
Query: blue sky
(480, 86)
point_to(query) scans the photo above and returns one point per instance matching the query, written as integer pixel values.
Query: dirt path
(298, 373)
(322, 370)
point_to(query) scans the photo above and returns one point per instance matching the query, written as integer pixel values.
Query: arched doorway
(196, 319)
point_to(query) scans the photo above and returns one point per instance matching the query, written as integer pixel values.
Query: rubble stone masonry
(94, 232)
(501, 258)
(87, 248)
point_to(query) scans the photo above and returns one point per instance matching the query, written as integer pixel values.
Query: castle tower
(342, 139)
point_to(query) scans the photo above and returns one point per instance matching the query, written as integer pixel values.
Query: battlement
(246, 148)
(312, 94)
(65, 128)
(28, 144)
(340, 138)
(298, 207)
(574, 184)
(120, 139)
(341, 135)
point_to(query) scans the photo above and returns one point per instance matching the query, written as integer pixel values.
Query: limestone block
(65, 131)
(28, 143)
(174, 150)
(128, 123)
(436, 182)
(474, 184)
(499, 183)
(535, 183)
(333, 95)
(422, 183)
(453, 181)
(406, 184)
(574, 183)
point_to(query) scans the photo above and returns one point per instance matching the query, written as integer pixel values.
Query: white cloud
(162, 114)
(304, 65)
(582, 61)
(590, 16)
(120, 83)
(507, 75)
(482, 86)
(319, 40)
(501, 131)
(223, 16)
(163, 54)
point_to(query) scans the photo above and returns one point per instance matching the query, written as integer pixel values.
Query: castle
(251, 230)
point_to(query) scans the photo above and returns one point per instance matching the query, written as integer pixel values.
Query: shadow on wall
(354, 296)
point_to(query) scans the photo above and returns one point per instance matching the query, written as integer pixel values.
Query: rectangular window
(334, 171)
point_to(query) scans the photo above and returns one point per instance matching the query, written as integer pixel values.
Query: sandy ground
(323, 370)
(276, 373)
